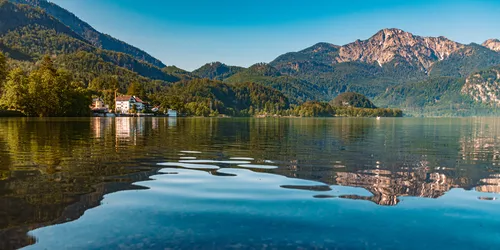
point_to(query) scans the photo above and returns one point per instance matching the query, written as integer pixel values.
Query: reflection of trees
(46, 164)
(49, 164)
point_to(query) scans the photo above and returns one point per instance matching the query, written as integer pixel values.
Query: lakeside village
(126, 106)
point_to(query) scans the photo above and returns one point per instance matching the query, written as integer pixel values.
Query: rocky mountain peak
(493, 44)
(389, 44)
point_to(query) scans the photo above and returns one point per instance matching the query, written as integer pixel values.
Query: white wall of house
(124, 107)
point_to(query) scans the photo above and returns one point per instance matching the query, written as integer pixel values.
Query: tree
(133, 109)
(15, 94)
(351, 99)
(136, 89)
(3, 70)
(46, 92)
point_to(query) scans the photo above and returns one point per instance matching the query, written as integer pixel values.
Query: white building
(172, 113)
(125, 103)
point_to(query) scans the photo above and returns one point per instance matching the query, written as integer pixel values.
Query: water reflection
(239, 208)
(47, 164)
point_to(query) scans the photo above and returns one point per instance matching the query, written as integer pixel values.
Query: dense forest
(49, 90)
(351, 99)
(204, 97)
(91, 35)
(54, 64)
(46, 91)
(296, 90)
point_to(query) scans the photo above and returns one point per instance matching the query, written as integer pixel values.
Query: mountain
(94, 37)
(484, 86)
(466, 61)
(217, 71)
(295, 89)
(204, 97)
(384, 48)
(31, 33)
(388, 45)
(394, 68)
(493, 44)
(179, 73)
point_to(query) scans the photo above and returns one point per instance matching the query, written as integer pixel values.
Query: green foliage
(318, 65)
(204, 97)
(217, 71)
(94, 37)
(33, 32)
(179, 73)
(45, 92)
(133, 109)
(313, 109)
(367, 112)
(104, 82)
(87, 66)
(3, 70)
(295, 89)
(439, 96)
(351, 99)
(136, 89)
(468, 60)
(324, 109)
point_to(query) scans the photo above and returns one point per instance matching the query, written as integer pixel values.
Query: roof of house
(137, 99)
(123, 98)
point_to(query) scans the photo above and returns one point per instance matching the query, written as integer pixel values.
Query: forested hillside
(204, 97)
(295, 89)
(217, 71)
(395, 68)
(91, 35)
(32, 33)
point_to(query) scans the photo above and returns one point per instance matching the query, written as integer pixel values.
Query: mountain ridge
(86, 31)
(390, 64)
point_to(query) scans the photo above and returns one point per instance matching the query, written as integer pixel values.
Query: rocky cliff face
(390, 44)
(484, 86)
(493, 44)
(392, 47)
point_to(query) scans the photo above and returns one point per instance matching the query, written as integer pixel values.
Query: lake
(218, 183)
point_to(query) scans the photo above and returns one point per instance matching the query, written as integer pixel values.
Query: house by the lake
(172, 113)
(125, 104)
(98, 106)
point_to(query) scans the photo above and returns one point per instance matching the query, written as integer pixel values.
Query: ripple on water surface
(189, 165)
(239, 207)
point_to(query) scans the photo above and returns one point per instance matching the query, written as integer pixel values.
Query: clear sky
(190, 33)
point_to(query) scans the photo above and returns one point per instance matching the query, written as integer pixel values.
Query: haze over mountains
(422, 75)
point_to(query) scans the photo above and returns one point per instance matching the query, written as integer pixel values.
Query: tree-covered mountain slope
(484, 86)
(390, 58)
(34, 33)
(91, 35)
(217, 71)
(295, 89)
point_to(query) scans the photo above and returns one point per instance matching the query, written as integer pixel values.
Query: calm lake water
(339, 183)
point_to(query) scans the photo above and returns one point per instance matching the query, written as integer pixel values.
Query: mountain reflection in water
(53, 170)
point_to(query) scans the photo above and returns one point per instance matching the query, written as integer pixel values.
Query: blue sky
(190, 33)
